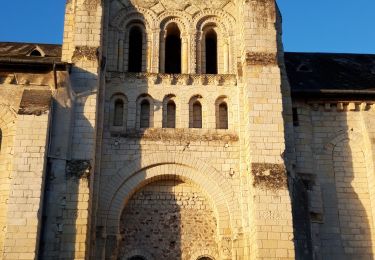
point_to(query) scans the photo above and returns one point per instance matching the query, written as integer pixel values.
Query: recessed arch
(118, 111)
(135, 55)
(145, 111)
(173, 50)
(195, 112)
(131, 177)
(222, 113)
(211, 52)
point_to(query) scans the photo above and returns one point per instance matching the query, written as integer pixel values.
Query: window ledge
(174, 79)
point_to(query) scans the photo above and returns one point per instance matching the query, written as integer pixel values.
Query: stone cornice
(174, 79)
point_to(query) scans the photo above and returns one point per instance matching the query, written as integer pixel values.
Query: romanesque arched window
(171, 115)
(135, 49)
(221, 111)
(145, 114)
(197, 115)
(172, 49)
(211, 51)
(222, 118)
(118, 113)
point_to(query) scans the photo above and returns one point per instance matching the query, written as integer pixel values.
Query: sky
(344, 26)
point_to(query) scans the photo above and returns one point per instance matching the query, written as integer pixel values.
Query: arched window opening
(173, 50)
(204, 258)
(197, 115)
(171, 115)
(145, 114)
(118, 119)
(211, 52)
(135, 49)
(222, 119)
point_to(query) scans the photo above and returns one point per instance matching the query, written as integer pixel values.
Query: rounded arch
(340, 137)
(196, 112)
(142, 253)
(141, 102)
(177, 17)
(126, 16)
(222, 112)
(133, 176)
(170, 111)
(170, 21)
(207, 27)
(118, 111)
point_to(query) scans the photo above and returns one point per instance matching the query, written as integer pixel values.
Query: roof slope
(15, 49)
(328, 72)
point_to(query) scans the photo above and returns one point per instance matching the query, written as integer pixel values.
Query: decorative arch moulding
(174, 79)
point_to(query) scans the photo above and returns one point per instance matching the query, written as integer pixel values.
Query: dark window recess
(171, 115)
(197, 115)
(211, 52)
(145, 114)
(223, 116)
(135, 50)
(173, 50)
(137, 258)
(295, 117)
(118, 119)
(35, 53)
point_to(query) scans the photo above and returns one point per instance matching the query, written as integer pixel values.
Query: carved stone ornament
(78, 168)
(261, 58)
(85, 52)
(269, 176)
(181, 4)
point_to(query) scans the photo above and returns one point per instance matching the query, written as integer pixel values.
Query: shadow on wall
(66, 196)
(344, 230)
(347, 202)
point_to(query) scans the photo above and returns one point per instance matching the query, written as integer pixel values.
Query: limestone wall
(24, 204)
(174, 218)
(334, 157)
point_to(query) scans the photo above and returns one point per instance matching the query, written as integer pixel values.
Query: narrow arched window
(222, 118)
(118, 119)
(171, 115)
(211, 51)
(145, 114)
(173, 50)
(135, 49)
(197, 115)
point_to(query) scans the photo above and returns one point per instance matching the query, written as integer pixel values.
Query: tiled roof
(328, 72)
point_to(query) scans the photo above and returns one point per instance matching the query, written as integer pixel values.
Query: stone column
(162, 52)
(184, 54)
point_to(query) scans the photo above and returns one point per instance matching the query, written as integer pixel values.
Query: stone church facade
(168, 129)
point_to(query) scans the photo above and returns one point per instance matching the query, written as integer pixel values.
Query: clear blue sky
(309, 25)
